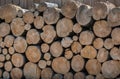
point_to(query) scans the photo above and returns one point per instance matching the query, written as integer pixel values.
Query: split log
(8, 57)
(31, 70)
(108, 43)
(8, 66)
(2, 58)
(68, 54)
(18, 60)
(11, 50)
(33, 36)
(45, 48)
(75, 38)
(17, 26)
(62, 68)
(46, 73)
(42, 7)
(33, 54)
(27, 27)
(99, 76)
(86, 37)
(6, 75)
(66, 42)
(83, 15)
(98, 43)
(16, 73)
(42, 64)
(47, 56)
(38, 22)
(77, 28)
(76, 47)
(5, 51)
(110, 69)
(48, 34)
(77, 63)
(57, 76)
(115, 53)
(79, 75)
(89, 52)
(93, 67)
(101, 28)
(69, 9)
(56, 49)
(102, 55)
(89, 77)
(68, 75)
(20, 45)
(51, 15)
(4, 29)
(64, 27)
(1, 64)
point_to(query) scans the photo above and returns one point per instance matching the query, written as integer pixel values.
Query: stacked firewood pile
(73, 42)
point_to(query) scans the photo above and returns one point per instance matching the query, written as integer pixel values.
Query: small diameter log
(4, 29)
(76, 47)
(48, 63)
(66, 42)
(51, 15)
(36, 13)
(68, 75)
(8, 40)
(115, 53)
(47, 56)
(16, 73)
(27, 27)
(77, 28)
(20, 45)
(2, 58)
(62, 68)
(46, 73)
(17, 26)
(48, 34)
(33, 54)
(38, 22)
(6, 75)
(89, 52)
(116, 36)
(42, 64)
(93, 67)
(98, 43)
(57, 76)
(8, 57)
(56, 49)
(1, 64)
(18, 60)
(2, 44)
(99, 76)
(75, 38)
(33, 36)
(69, 9)
(5, 51)
(42, 7)
(11, 50)
(102, 55)
(20, 13)
(86, 37)
(101, 28)
(64, 27)
(77, 63)
(31, 71)
(28, 17)
(89, 77)
(110, 69)
(108, 43)
(83, 15)
(68, 54)
(8, 66)
(79, 75)
(45, 48)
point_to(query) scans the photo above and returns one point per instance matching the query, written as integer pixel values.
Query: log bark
(45, 48)
(66, 42)
(77, 28)
(39, 22)
(98, 43)
(108, 43)
(46, 73)
(115, 53)
(42, 64)
(79, 75)
(8, 66)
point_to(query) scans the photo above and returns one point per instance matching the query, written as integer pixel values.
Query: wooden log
(1, 72)
(49, 63)
(46, 73)
(4, 29)
(36, 14)
(51, 15)
(56, 49)
(45, 48)
(115, 53)
(98, 43)
(89, 77)
(16, 73)
(31, 70)
(68, 75)
(8, 66)
(20, 45)
(48, 34)
(5, 51)
(99, 76)
(83, 15)
(77, 28)
(47, 56)
(110, 69)
(79, 75)
(62, 68)
(102, 55)
(38, 22)
(108, 43)
(11, 50)
(2, 58)
(86, 37)
(18, 60)
(75, 38)
(17, 26)
(69, 9)
(28, 17)
(33, 36)
(93, 67)
(8, 57)
(8, 40)
(66, 42)
(101, 28)
(2, 44)
(115, 36)
(89, 52)
(1, 65)
(77, 63)
(57, 76)
(6, 75)
(42, 64)
(27, 27)
(68, 54)
(33, 54)
(20, 13)
(42, 6)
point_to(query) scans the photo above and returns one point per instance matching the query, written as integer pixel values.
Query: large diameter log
(33, 54)
(31, 71)
(51, 15)
(4, 29)
(61, 65)
(101, 28)
(69, 9)
(64, 27)
(110, 69)
(17, 26)
(20, 45)
(39, 22)
(46, 73)
(83, 15)
(48, 34)
(98, 43)
(115, 53)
